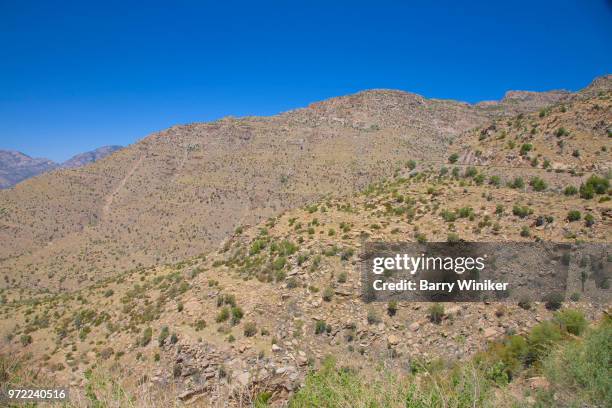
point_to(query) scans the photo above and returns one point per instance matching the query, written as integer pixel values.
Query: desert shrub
(587, 192)
(600, 185)
(573, 215)
(465, 212)
(495, 181)
(479, 179)
(453, 237)
(521, 211)
(574, 297)
(448, 216)
(25, 339)
(453, 158)
(553, 301)
(561, 132)
(200, 324)
(594, 185)
(470, 172)
(524, 303)
(541, 339)
(525, 232)
(237, 314)
(223, 315)
(571, 320)
(526, 148)
(163, 335)
(589, 220)
(570, 190)
(373, 317)
(346, 254)
(146, 336)
(499, 209)
(328, 294)
(342, 277)
(250, 329)
(392, 308)
(108, 293)
(411, 164)
(257, 246)
(538, 184)
(226, 299)
(420, 237)
(436, 313)
(279, 263)
(322, 327)
(517, 183)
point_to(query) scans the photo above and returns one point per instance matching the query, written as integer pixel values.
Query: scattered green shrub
(572, 321)
(553, 301)
(436, 313)
(250, 329)
(392, 308)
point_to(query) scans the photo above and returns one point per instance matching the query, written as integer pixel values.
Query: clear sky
(81, 74)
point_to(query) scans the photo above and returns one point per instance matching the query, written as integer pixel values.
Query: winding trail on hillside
(108, 201)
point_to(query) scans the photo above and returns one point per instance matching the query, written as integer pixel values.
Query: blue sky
(78, 75)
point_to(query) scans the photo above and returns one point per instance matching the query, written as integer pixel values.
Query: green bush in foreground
(332, 386)
(578, 371)
(581, 371)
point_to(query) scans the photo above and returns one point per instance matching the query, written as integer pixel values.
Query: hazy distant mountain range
(16, 166)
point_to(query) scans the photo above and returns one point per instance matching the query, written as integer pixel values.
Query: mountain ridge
(181, 191)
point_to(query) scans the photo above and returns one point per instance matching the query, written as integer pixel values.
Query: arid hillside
(179, 192)
(254, 316)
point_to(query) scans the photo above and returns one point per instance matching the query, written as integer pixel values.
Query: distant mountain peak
(83, 159)
(17, 166)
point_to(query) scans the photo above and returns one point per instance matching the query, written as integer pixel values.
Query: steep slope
(16, 166)
(179, 191)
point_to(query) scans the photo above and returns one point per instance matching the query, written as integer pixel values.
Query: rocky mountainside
(570, 136)
(16, 167)
(181, 191)
(255, 315)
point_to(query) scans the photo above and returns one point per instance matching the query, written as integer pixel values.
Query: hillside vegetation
(219, 264)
